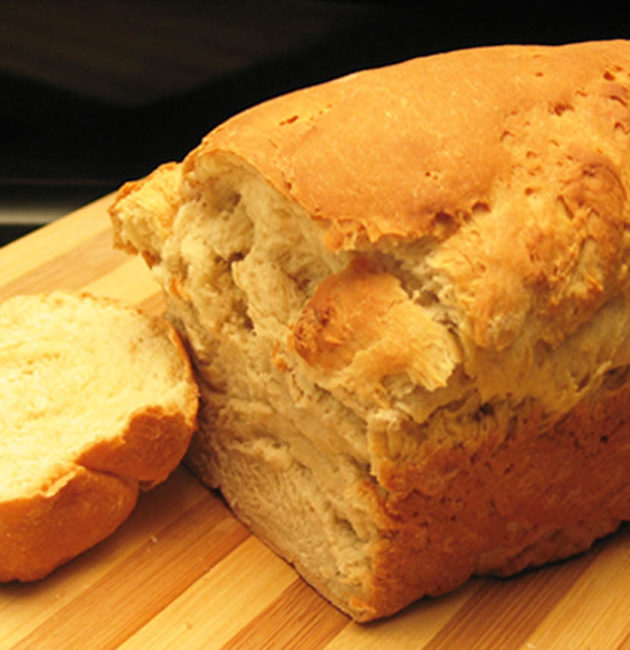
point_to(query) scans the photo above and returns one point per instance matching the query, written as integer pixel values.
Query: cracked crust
(407, 296)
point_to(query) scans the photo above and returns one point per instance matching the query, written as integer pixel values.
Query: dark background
(97, 92)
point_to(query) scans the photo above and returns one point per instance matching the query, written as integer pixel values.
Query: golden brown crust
(420, 148)
(40, 532)
(407, 149)
(439, 531)
(345, 315)
(83, 497)
(362, 323)
(161, 204)
(454, 305)
(146, 451)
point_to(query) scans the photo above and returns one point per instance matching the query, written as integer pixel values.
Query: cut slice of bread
(98, 402)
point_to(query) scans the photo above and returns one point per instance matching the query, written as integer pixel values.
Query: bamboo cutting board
(182, 572)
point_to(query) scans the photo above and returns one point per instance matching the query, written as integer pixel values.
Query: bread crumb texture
(406, 291)
(98, 401)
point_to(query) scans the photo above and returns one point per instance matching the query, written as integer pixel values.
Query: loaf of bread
(98, 401)
(407, 295)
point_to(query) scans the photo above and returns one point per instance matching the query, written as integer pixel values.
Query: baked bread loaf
(98, 401)
(407, 296)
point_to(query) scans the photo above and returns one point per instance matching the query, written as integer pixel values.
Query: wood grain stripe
(576, 623)
(156, 304)
(298, 618)
(139, 586)
(53, 240)
(625, 643)
(505, 612)
(25, 606)
(217, 606)
(410, 629)
(94, 257)
(183, 573)
(130, 281)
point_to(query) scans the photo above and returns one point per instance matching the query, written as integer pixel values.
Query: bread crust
(42, 531)
(527, 496)
(426, 267)
(416, 150)
(84, 497)
(412, 149)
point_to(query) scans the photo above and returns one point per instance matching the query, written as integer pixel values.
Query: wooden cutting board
(182, 572)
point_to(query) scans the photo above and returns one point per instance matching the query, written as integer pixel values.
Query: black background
(94, 93)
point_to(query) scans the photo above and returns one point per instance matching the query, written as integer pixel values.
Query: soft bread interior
(302, 443)
(98, 401)
(406, 292)
(73, 374)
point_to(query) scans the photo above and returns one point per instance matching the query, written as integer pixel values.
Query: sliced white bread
(98, 402)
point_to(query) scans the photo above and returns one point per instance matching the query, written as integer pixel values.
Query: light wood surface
(182, 572)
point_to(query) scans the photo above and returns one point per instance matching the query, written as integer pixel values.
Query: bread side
(99, 401)
(406, 292)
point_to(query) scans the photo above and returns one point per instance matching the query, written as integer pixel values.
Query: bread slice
(98, 401)
(408, 296)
